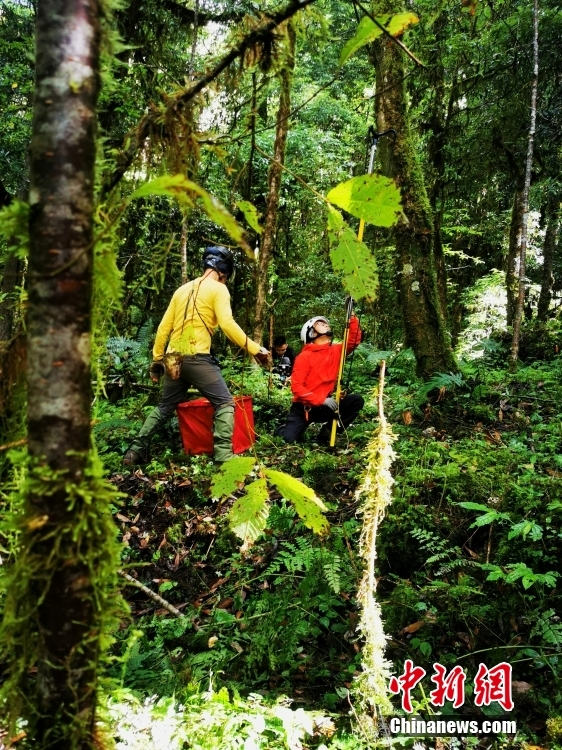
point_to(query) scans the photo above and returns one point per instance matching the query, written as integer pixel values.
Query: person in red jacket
(313, 381)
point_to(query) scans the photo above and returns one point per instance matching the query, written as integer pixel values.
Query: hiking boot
(132, 458)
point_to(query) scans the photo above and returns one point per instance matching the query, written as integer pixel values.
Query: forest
(374, 187)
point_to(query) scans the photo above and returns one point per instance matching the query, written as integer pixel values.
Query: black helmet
(218, 258)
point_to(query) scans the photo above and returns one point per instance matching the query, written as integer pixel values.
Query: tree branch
(134, 139)
(156, 597)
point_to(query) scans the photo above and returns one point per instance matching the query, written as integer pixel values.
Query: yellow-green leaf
(248, 515)
(367, 31)
(231, 474)
(186, 192)
(251, 215)
(307, 504)
(351, 258)
(370, 197)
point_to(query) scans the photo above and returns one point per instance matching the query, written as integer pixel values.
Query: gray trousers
(201, 372)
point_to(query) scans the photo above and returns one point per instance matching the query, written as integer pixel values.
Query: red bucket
(196, 425)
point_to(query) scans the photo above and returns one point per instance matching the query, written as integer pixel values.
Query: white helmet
(307, 331)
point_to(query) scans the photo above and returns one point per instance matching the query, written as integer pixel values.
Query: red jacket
(316, 368)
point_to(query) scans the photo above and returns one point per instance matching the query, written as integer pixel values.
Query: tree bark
(424, 318)
(58, 353)
(526, 187)
(513, 253)
(551, 239)
(274, 184)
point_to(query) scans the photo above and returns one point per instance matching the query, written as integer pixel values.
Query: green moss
(83, 538)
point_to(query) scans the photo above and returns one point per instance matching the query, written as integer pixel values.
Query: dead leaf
(413, 627)
(521, 687)
(226, 603)
(122, 518)
(407, 416)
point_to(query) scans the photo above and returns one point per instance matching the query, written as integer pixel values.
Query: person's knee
(355, 401)
(228, 406)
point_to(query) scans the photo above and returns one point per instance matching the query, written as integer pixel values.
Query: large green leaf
(370, 197)
(248, 515)
(186, 192)
(231, 474)
(367, 32)
(351, 258)
(307, 504)
(251, 215)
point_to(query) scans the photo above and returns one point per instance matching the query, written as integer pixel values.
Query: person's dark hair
(218, 258)
(279, 340)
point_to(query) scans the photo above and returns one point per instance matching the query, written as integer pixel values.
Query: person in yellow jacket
(182, 353)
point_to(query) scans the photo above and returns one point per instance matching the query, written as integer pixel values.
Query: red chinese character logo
(493, 685)
(449, 686)
(406, 682)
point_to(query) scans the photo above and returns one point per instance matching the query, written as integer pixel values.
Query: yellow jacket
(194, 312)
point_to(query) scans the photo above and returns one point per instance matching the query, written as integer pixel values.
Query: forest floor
(280, 619)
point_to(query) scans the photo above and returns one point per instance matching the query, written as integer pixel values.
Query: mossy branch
(151, 594)
(375, 493)
(135, 139)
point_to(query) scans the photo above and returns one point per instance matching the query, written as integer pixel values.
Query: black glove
(156, 369)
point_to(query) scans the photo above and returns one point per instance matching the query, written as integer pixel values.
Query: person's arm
(229, 326)
(164, 330)
(299, 387)
(355, 334)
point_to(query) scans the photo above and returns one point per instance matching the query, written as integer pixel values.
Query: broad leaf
(248, 515)
(186, 192)
(352, 259)
(231, 474)
(175, 185)
(370, 197)
(307, 504)
(367, 32)
(251, 215)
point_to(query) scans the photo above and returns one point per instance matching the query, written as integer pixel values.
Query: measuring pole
(374, 137)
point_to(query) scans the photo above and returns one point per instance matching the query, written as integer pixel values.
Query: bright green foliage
(231, 475)
(307, 504)
(351, 258)
(370, 197)
(367, 31)
(248, 515)
(251, 215)
(14, 228)
(186, 193)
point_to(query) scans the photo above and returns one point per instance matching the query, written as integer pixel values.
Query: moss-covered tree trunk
(274, 183)
(57, 649)
(424, 317)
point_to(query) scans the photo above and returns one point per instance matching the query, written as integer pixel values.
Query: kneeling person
(314, 379)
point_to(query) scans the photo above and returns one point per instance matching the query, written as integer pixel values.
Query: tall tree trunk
(439, 118)
(526, 187)
(551, 238)
(513, 253)
(58, 604)
(424, 317)
(274, 183)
